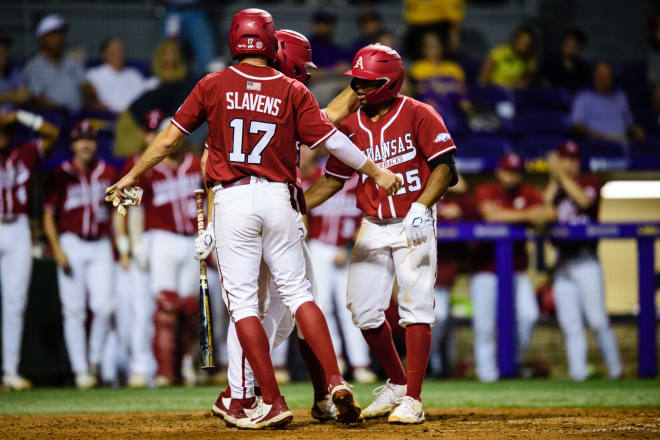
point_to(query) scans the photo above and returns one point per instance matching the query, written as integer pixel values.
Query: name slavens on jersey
(254, 102)
(393, 152)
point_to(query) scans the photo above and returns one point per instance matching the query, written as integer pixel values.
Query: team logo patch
(251, 85)
(259, 44)
(358, 63)
(442, 137)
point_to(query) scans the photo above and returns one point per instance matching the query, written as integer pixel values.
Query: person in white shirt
(116, 85)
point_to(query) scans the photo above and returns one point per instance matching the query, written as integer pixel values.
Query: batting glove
(133, 194)
(415, 221)
(300, 225)
(205, 243)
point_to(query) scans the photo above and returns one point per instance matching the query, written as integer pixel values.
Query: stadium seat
(482, 145)
(535, 146)
(648, 147)
(542, 98)
(594, 148)
(539, 122)
(491, 95)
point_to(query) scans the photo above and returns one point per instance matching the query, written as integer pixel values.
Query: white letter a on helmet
(358, 64)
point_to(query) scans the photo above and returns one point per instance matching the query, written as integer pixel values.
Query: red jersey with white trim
(76, 197)
(336, 221)
(523, 197)
(569, 212)
(404, 140)
(17, 168)
(255, 116)
(168, 198)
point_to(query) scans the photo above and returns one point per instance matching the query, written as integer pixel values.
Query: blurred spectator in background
(569, 69)
(512, 65)
(186, 20)
(328, 56)
(445, 17)
(603, 113)
(13, 86)
(578, 285)
(370, 26)
(440, 82)
(55, 79)
(507, 199)
(116, 85)
(18, 166)
(653, 39)
(173, 86)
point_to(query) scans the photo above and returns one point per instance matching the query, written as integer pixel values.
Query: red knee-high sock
(418, 347)
(254, 343)
(314, 328)
(381, 344)
(166, 323)
(315, 370)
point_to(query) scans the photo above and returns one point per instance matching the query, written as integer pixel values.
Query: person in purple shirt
(603, 113)
(13, 86)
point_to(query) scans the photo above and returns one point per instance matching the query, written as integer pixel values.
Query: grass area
(437, 394)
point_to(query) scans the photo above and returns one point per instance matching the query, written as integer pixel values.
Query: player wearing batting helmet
(397, 235)
(255, 116)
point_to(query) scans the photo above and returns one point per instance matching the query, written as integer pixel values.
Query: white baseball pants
(483, 293)
(15, 273)
(92, 267)
(580, 294)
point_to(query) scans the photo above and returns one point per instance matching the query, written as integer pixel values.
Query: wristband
(30, 119)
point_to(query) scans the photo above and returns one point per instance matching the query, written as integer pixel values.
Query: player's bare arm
(122, 241)
(342, 106)
(163, 145)
(436, 186)
(50, 230)
(325, 187)
(48, 132)
(567, 182)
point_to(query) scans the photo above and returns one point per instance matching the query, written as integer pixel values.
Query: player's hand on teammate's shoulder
(387, 180)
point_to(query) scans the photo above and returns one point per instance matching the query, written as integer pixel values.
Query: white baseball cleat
(409, 411)
(324, 410)
(188, 372)
(138, 380)
(15, 382)
(85, 381)
(385, 401)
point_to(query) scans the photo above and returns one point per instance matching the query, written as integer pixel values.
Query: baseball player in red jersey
(18, 164)
(578, 285)
(293, 58)
(78, 225)
(508, 199)
(255, 116)
(397, 235)
(170, 222)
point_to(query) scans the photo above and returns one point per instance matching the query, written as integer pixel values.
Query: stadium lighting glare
(631, 189)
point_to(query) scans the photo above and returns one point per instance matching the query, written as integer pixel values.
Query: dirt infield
(455, 423)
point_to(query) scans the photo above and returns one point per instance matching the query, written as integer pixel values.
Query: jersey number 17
(254, 157)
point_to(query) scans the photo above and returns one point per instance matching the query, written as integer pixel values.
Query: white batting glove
(300, 225)
(205, 243)
(133, 197)
(415, 221)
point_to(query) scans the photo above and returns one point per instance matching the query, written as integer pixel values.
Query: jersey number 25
(256, 127)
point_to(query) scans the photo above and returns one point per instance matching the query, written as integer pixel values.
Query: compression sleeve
(340, 146)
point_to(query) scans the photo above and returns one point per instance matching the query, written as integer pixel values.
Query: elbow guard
(447, 159)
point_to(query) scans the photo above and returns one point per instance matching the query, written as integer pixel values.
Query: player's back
(255, 116)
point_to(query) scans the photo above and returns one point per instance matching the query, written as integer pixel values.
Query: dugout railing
(505, 235)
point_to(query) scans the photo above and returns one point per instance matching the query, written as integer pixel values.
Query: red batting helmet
(83, 130)
(152, 120)
(252, 32)
(378, 62)
(294, 54)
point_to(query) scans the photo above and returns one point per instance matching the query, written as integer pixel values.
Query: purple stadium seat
(491, 95)
(543, 98)
(482, 145)
(538, 146)
(595, 148)
(648, 147)
(538, 122)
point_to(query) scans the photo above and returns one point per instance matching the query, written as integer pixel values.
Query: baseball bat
(205, 318)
